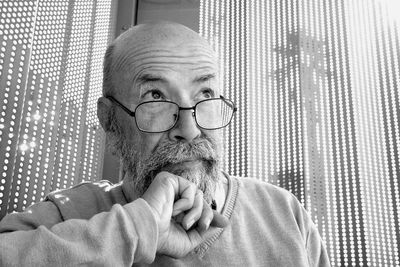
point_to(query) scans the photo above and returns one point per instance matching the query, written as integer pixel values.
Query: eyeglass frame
(132, 113)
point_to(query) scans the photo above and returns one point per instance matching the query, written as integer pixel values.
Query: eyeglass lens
(161, 116)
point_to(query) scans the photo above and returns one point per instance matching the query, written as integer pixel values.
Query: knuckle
(206, 208)
(162, 174)
(193, 187)
(164, 178)
(209, 212)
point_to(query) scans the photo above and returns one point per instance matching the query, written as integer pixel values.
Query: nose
(186, 128)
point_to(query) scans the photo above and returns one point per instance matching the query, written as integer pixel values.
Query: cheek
(148, 142)
(133, 135)
(143, 142)
(216, 135)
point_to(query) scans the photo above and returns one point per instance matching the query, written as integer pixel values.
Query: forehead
(184, 57)
(191, 58)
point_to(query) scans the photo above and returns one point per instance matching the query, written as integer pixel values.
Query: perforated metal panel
(316, 82)
(51, 75)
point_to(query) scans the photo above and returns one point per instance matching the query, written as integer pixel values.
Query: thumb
(219, 220)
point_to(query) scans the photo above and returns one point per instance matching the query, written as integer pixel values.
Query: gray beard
(168, 156)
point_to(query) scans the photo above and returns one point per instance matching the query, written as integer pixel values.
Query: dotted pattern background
(316, 85)
(50, 79)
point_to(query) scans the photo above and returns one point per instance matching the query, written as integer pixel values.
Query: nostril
(179, 138)
(185, 128)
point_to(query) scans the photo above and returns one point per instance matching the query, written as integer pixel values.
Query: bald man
(162, 110)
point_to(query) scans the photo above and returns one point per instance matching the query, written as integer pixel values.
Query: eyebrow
(204, 78)
(148, 77)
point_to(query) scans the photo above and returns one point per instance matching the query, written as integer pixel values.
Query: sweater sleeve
(317, 254)
(42, 213)
(315, 248)
(119, 237)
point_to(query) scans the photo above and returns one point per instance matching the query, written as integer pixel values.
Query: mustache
(172, 152)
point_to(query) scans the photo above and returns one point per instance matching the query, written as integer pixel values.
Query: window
(51, 55)
(316, 83)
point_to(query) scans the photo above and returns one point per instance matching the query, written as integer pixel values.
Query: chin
(184, 167)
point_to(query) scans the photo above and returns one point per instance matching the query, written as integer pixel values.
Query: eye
(207, 93)
(154, 94)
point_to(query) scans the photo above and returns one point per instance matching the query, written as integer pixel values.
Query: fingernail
(208, 222)
(175, 212)
(189, 224)
(205, 225)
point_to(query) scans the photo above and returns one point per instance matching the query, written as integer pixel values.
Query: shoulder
(93, 189)
(276, 210)
(86, 199)
(258, 188)
(270, 200)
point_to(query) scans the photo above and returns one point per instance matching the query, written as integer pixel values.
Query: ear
(103, 110)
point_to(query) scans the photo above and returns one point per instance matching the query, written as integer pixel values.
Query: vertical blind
(316, 83)
(51, 55)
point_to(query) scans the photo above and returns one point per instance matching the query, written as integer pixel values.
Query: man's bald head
(154, 63)
(128, 48)
(167, 33)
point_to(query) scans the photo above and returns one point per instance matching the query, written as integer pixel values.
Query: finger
(179, 218)
(187, 192)
(206, 218)
(197, 236)
(219, 220)
(195, 212)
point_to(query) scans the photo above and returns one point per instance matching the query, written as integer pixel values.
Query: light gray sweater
(93, 225)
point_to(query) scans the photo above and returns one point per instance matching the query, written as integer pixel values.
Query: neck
(221, 191)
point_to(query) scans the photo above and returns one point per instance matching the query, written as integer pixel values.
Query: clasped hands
(171, 196)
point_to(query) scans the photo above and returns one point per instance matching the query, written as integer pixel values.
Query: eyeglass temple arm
(229, 103)
(131, 113)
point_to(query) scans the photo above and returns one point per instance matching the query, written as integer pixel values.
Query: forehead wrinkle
(153, 66)
(158, 58)
(159, 55)
(149, 69)
(159, 50)
(161, 59)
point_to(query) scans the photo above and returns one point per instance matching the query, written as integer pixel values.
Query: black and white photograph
(199, 133)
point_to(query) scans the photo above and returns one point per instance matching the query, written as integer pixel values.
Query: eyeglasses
(161, 116)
